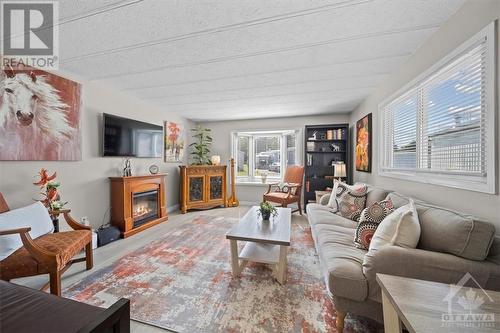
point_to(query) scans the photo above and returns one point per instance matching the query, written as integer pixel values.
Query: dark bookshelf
(332, 145)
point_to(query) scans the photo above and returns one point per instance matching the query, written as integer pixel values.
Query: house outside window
(440, 128)
(260, 154)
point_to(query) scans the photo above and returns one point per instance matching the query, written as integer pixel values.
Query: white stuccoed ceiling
(228, 59)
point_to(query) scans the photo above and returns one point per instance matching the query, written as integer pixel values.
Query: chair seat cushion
(279, 195)
(65, 244)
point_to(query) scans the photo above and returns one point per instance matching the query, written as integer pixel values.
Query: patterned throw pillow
(369, 221)
(351, 200)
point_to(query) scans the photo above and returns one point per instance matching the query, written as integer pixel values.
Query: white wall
(470, 19)
(85, 183)
(221, 133)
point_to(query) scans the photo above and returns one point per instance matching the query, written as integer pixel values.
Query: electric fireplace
(144, 207)
(137, 202)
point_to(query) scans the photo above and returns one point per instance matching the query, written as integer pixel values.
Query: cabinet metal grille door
(216, 187)
(196, 188)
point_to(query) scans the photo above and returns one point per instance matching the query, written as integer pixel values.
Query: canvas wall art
(39, 116)
(364, 144)
(174, 142)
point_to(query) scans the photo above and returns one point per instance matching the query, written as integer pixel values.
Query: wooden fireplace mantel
(122, 192)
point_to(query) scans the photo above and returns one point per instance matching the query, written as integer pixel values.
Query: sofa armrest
(423, 265)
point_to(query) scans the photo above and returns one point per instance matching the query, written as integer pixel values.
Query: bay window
(265, 155)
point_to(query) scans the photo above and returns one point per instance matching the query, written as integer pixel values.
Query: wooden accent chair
(48, 254)
(290, 192)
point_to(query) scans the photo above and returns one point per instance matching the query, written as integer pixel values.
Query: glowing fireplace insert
(144, 207)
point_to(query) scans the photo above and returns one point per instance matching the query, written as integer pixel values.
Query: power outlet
(85, 220)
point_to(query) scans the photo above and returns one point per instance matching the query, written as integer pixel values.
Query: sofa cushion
(341, 262)
(318, 214)
(375, 194)
(400, 228)
(351, 200)
(398, 200)
(332, 200)
(325, 199)
(369, 221)
(465, 237)
(34, 216)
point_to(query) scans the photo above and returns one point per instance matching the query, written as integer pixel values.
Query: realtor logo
(30, 34)
(465, 305)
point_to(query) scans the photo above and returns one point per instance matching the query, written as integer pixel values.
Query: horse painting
(39, 117)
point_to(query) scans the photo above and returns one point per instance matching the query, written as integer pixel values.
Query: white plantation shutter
(441, 128)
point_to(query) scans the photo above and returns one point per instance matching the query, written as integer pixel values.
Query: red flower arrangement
(49, 186)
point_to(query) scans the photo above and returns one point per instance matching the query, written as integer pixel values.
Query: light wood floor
(105, 255)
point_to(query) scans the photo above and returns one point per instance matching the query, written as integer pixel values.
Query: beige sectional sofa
(450, 245)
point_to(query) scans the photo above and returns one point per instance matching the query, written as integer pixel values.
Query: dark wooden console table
(23, 309)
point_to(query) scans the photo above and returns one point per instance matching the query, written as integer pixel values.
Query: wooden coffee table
(424, 307)
(266, 242)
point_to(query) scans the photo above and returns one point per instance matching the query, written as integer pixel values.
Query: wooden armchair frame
(46, 257)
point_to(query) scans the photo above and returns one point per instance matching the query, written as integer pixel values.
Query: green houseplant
(266, 210)
(201, 147)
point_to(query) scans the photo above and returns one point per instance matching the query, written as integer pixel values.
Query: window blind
(452, 116)
(438, 125)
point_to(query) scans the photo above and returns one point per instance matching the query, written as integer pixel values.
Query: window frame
(252, 135)
(485, 184)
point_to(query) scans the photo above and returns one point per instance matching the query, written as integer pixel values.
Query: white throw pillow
(401, 228)
(332, 203)
(35, 216)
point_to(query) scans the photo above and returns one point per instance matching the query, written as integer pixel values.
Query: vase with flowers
(49, 190)
(266, 210)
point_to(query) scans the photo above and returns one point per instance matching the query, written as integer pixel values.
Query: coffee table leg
(281, 270)
(235, 264)
(392, 323)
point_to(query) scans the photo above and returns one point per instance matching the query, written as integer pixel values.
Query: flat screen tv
(131, 138)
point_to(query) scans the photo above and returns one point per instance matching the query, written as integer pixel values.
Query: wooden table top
(425, 306)
(251, 228)
(27, 310)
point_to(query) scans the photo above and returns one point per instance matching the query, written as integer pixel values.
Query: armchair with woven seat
(290, 191)
(49, 253)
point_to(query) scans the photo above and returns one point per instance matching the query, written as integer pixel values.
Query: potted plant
(201, 148)
(266, 210)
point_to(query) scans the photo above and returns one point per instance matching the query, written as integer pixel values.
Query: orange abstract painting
(364, 144)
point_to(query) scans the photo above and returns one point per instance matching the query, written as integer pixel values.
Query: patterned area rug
(182, 282)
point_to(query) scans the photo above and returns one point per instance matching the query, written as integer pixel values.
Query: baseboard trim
(172, 208)
(249, 203)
